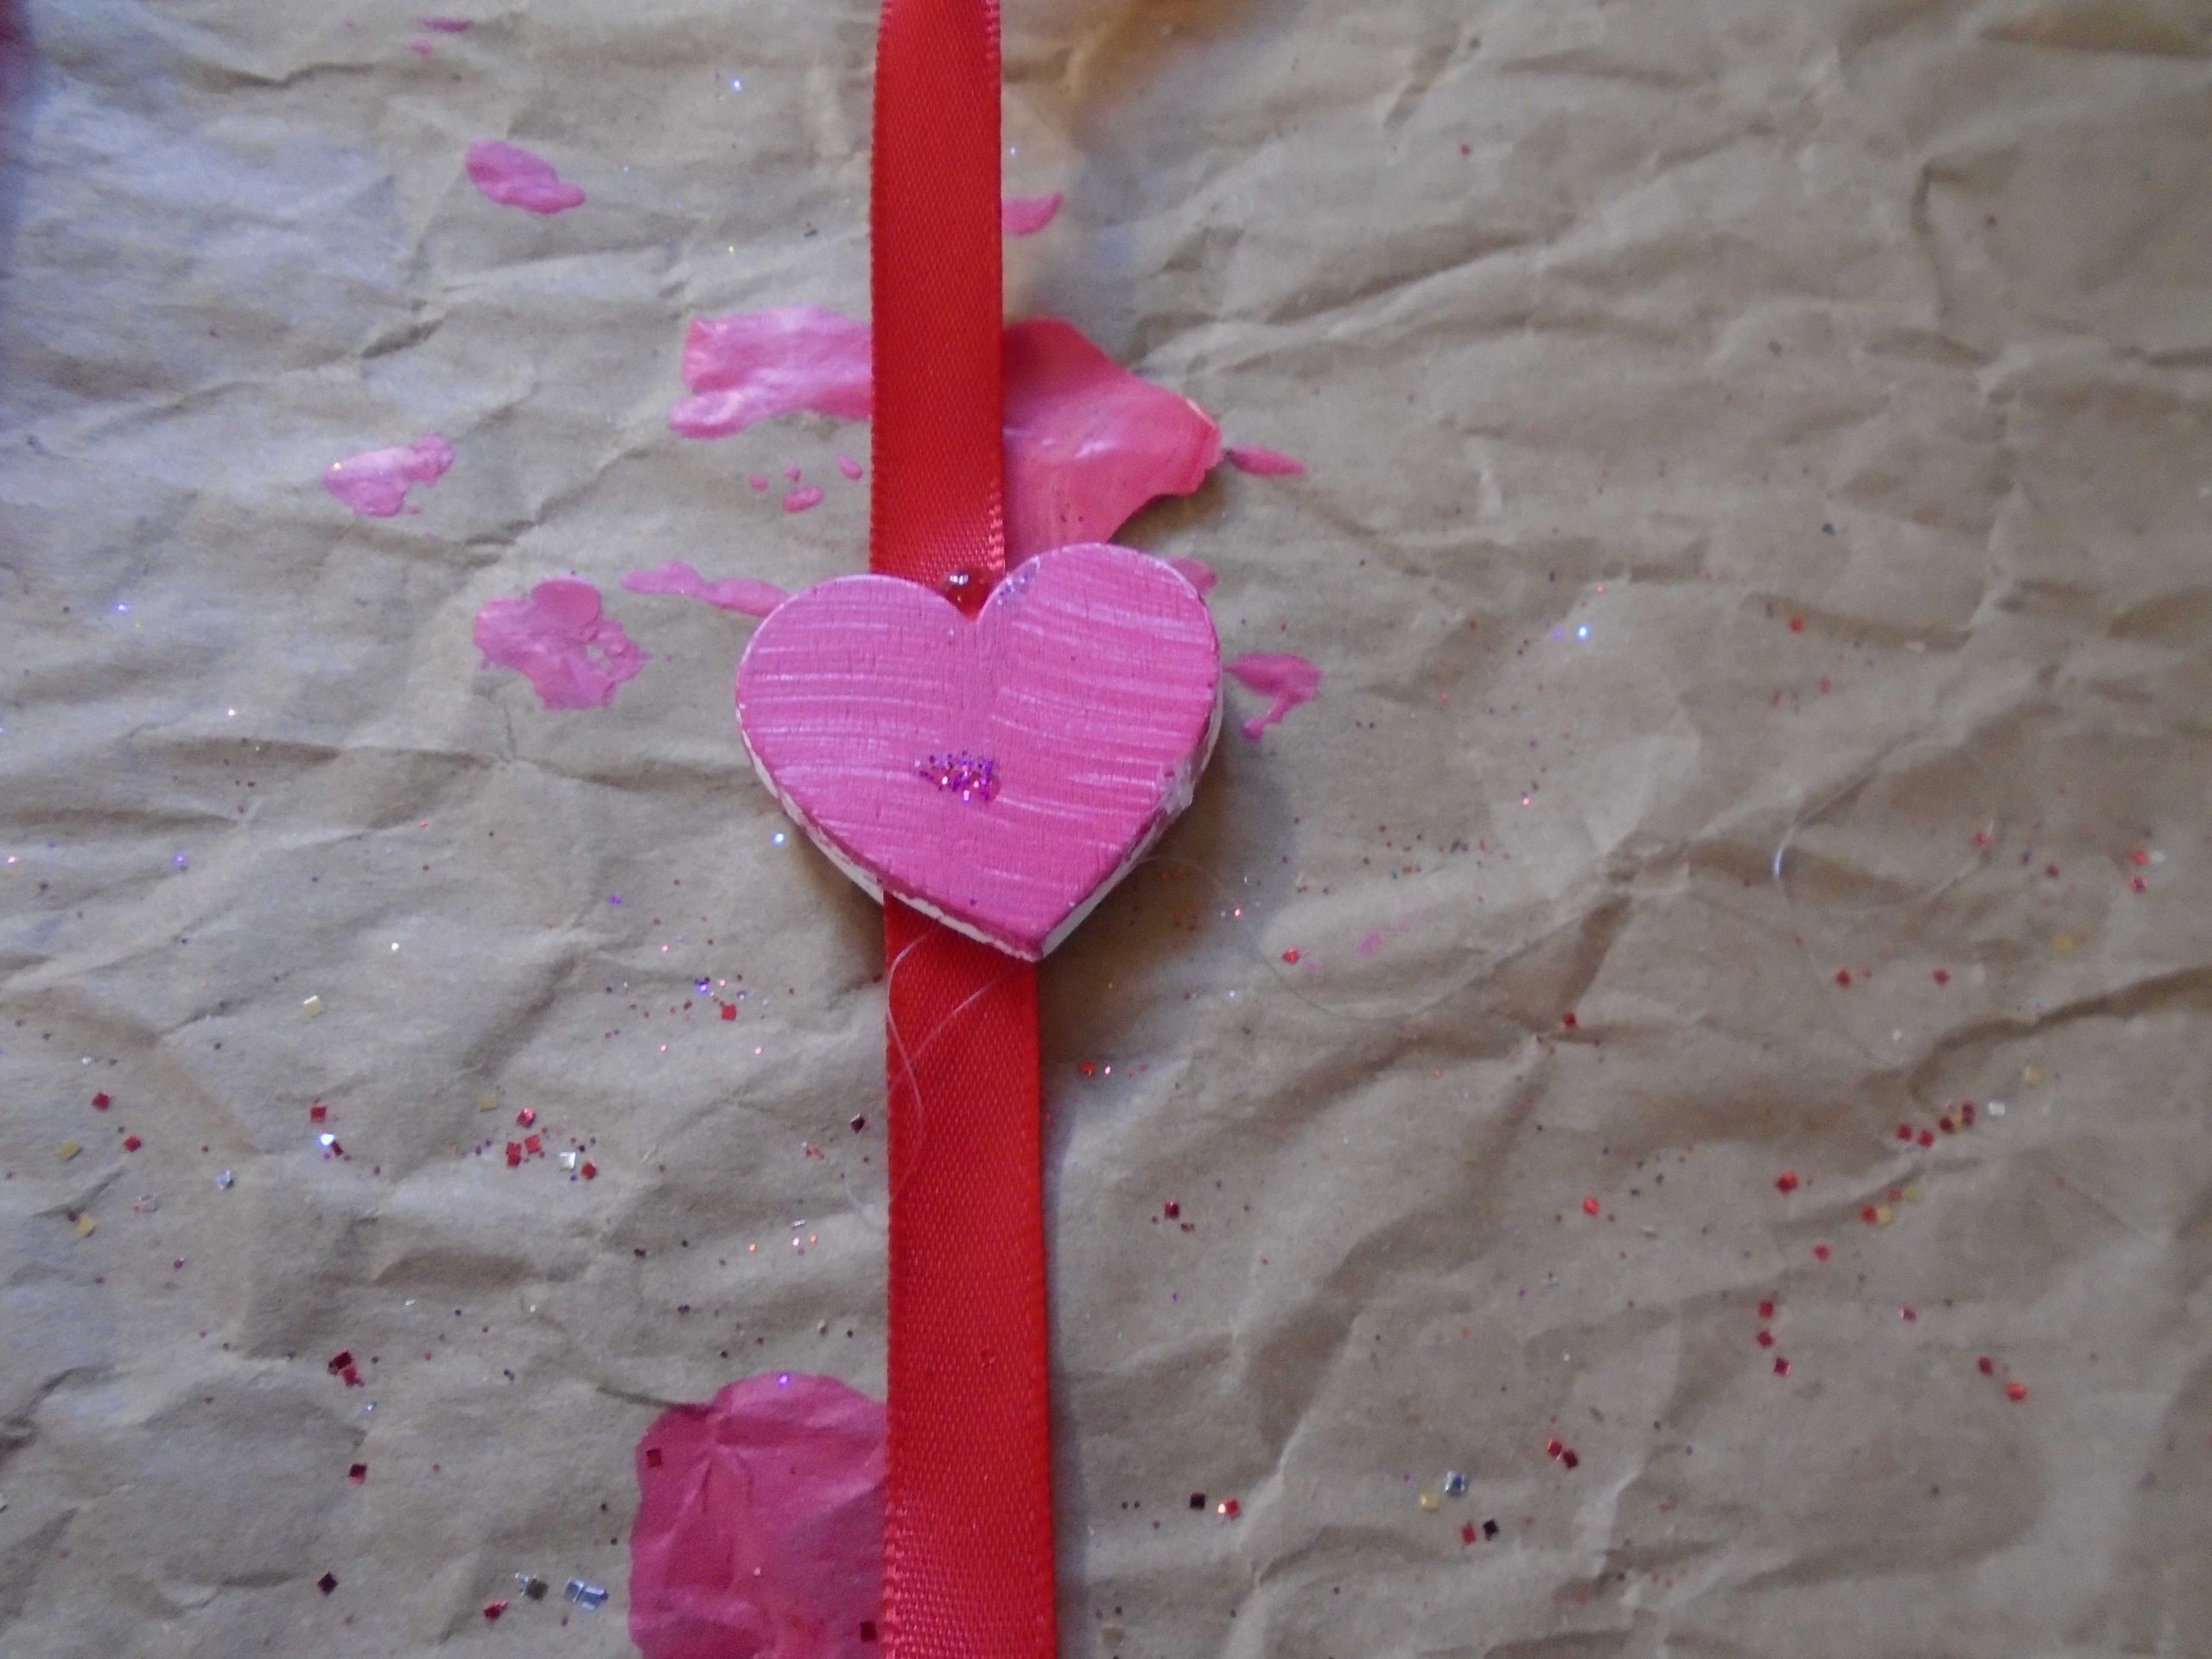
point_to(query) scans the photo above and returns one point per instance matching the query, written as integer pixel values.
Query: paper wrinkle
(1702, 284)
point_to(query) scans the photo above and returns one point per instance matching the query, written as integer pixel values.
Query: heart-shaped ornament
(1001, 773)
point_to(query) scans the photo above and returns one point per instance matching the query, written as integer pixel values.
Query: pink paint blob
(1197, 572)
(760, 1527)
(513, 177)
(743, 595)
(758, 480)
(792, 473)
(448, 25)
(1264, 463)
(574, 655)
(802, 499)
(754, 364)
(1026, 215)
(1289, 679)
(421, 48)
(848, 467)
(374, 483)
(1087, 442)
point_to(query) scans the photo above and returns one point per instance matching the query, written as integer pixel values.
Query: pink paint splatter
(574, 655)
(750, 366)
(1197, 572)
(743, 595)
(375, 482)
(421, 48)
(1289, 679)
(792, 473)
(1026, 215)
(848, 467)
(1087, 442)
(760, 1527)
(513, 177)
(448, 25)
(1264, 463)
(1374, 941)
(802, 499)
(759, 482)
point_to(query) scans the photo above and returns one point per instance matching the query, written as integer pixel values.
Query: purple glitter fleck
(972, 778)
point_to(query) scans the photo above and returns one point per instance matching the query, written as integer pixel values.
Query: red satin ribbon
(967, 1527)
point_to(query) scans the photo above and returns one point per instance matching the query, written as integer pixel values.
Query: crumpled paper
(1753, 535)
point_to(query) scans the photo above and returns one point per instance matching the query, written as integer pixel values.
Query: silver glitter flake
(225, 1181)
(589, 1597)
(1455, 1485)
(532, 1586)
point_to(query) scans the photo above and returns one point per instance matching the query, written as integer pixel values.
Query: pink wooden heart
(999, 773)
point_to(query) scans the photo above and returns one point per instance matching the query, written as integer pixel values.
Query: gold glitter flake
(314, 1006)
(67, 1150)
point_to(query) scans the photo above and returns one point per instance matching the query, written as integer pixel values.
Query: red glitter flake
(1088, 1068)
(533, 1144)
(1868, 1214)
(1904, 1131)
(327, 1583)
(1766, 1338)
(1941, 975)
(1766, 1308)
(1171, 1209)
(340, 1361)
(2016, 1391)
(1590, 1206)
(1843, 976)
(2137, 884)
(1786, 1182)
(589, 1172)
(1796, 624)
(494, 1609)
(729, 1010)
(352, 1375)
(1909, 1315)
(1554, 1447)
(2140, 856)
(1781, 1366)
(527, 1116)
(1569, 1458)
(1966, 1113)
(1947, 1126)
(653, 1457)
(1985, 1365)
(357, 1473)
(1291, 956)
(1568, 1020)
(1467, 1534)
(1927, 1137)
(1819, 1252)
(317, 1112)
(131, 1143)
(514, 1154)
(1231, 1508)
(102, 1101)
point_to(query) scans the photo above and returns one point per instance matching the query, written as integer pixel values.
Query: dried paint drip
(514, 177)
(1026, 215)
(754, 365)
(574, 655)
(970, 777)
(1197, 572)
(760, 1525)
(374, 483)
(1262, 462)
(743, 595)
(1283, 676)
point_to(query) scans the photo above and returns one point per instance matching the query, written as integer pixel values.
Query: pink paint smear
(848, 467)
(513, 177)
(757, 365)
(760, 1527)
(1197, 572)
(574, 655)
(1290, 680)
(1087, 442)
(743, 595)
(1264, 463)
(421, 48)
(375, 482)
(1026, 215)
(804, 499)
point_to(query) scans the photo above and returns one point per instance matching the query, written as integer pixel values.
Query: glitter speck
(778, 838)
(1455, 1485)
(972, 778)
(225, 1181)
(589, 1597)
(1582, 632)
(313, 1005)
